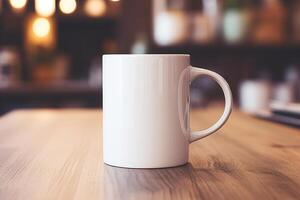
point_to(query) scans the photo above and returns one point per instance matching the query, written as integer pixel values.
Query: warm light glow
(95, 8)
(39, 32)
(41, 27)
(67, 6)
(115, 0)
(18, 4)
(45, 8)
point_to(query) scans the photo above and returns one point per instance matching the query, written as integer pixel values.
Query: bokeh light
(45, 8)
(67, 6)
(18, 4)
(41, 27)
(95, 8)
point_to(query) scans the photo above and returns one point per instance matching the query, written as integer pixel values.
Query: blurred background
(51, 50)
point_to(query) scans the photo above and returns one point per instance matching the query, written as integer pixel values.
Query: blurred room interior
(51, 50)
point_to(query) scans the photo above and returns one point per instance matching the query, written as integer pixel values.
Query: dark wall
(135, 19)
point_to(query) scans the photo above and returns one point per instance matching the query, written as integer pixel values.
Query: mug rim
(149, 55)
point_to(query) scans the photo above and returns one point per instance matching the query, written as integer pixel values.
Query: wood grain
(57, 154)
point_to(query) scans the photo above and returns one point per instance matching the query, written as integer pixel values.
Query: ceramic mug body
(146, 110)
(140, 106)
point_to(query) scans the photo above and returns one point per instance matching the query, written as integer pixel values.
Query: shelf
(65, 88)
(78, 19)
(228, 49)
(66, 94)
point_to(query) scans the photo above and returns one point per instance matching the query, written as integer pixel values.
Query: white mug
(146, 109)
(255, 95)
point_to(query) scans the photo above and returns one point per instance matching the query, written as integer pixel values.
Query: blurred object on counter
(270, 22)
(201, 27)
(284, 93)
(10, 67)
(212, 9)
(40, 32)
(18, 6)
(202, 30)
(286, 109)
(282, 113)
(47, 66)
(67, 6)
(255, 95)
(165, 25)
(61, 68)
(292, 77)
(95, 75)
(140, 45)
(41, 62)
(296, 21)
(95, 8)
(236, 21)
(171, 22)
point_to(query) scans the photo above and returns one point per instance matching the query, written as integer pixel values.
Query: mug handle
(194, 73)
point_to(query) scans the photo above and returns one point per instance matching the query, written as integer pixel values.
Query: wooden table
(57, 154)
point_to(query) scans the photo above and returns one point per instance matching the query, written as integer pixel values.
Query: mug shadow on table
(123, 183)
(213, 179)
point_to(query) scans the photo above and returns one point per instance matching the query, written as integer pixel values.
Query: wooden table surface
(57, 154)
